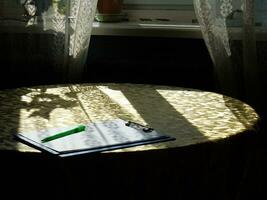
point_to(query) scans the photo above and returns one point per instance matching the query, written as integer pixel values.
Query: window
(160, 18)
(261, 12)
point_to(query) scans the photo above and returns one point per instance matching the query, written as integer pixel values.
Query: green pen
(65, 133)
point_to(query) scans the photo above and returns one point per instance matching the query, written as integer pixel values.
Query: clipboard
(97, 137)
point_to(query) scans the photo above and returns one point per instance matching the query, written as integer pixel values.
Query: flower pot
(109, 6)
(110, 11)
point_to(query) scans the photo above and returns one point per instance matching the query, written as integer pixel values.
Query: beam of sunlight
(119, 98)
(208, 112)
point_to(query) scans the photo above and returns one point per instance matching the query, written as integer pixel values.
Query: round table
(194, 117)
(191, 116)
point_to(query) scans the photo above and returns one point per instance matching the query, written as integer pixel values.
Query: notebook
(95, 137)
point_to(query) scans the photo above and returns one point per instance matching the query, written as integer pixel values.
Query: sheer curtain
(235, 32)
(50, 36)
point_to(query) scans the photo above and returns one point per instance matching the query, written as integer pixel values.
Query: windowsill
(152, 23)
(149, 29)
(179, 24)
(128, 28)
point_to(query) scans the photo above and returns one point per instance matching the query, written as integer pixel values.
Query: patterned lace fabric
(64, 25)
(191, 116)
(212, 15)
(228, 27)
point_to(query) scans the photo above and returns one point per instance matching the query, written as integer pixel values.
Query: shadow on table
(156, 111)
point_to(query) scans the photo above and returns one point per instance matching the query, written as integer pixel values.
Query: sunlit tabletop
(191, 116)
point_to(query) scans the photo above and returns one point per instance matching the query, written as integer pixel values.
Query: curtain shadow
(38, 102)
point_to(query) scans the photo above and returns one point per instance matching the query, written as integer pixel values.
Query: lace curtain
(50, 36)
(235, 34)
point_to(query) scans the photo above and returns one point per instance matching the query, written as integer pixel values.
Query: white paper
(96, 135)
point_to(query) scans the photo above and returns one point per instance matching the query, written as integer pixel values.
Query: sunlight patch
(119, 98)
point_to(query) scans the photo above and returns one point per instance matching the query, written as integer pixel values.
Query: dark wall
(25, 60)
(168, 61)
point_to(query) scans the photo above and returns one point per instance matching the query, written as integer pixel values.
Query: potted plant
(109, 11)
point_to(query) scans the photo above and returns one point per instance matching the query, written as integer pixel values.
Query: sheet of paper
(96, 135)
